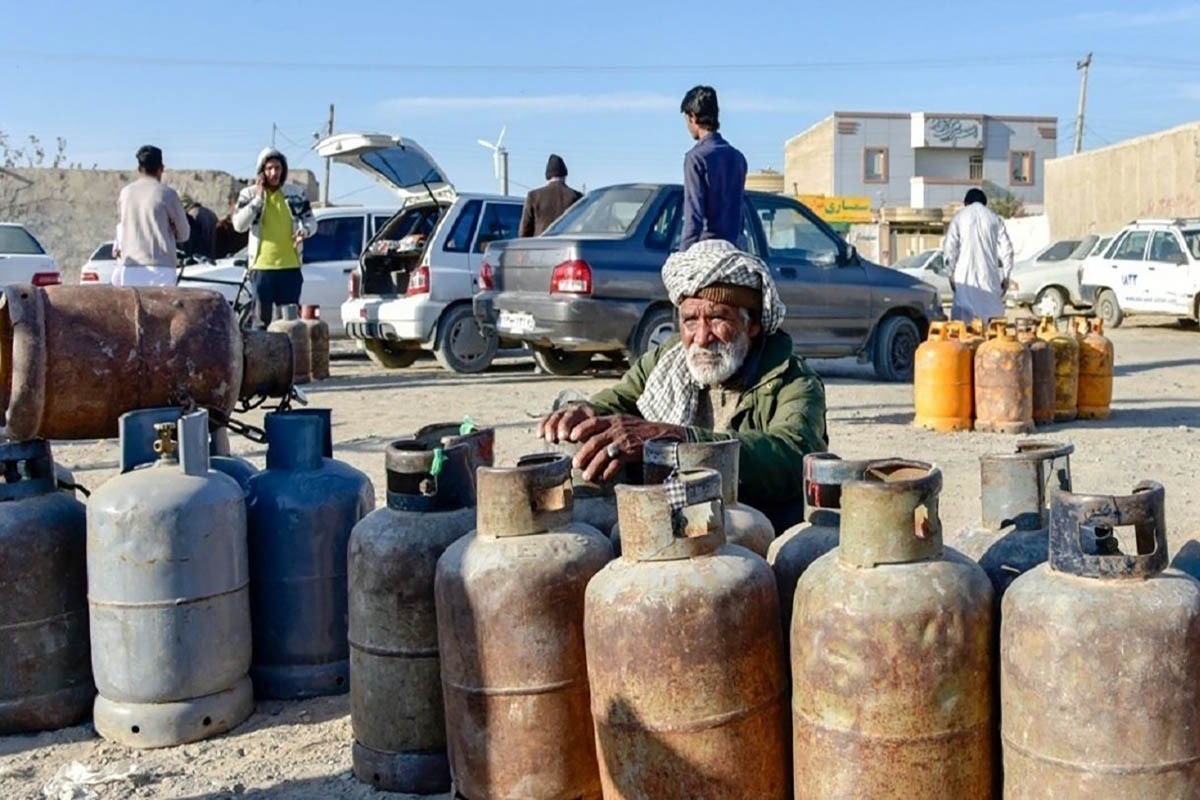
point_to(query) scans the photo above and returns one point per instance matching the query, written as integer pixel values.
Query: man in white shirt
(979, 257)
(151, 223)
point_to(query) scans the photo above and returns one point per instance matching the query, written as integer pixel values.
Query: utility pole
(325, 183)
(1083, 67)
(274, 128)
(503, 154)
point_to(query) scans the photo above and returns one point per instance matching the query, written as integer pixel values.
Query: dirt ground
(302, 749)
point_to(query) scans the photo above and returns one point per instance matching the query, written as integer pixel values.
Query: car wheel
(462, 345)
(1108, 309)
(896, 342)
(390, 355)
(656, 327)
(1050, 302)
(560, 362)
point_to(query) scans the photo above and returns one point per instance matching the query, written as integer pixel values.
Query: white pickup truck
(1151, 267)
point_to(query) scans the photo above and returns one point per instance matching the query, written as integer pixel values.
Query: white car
(414, 284)
(23, 259)
(100, 266)
(929, 266)
(1151, 267)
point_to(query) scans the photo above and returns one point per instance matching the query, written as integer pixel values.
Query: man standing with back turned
(979, 256)
(714, 175)
(544, 205)
(151, 224)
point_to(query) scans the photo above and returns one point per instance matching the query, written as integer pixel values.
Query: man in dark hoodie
(544, 205)
(714, 175)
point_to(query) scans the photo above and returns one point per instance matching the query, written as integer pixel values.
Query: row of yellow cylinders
(1010, 377)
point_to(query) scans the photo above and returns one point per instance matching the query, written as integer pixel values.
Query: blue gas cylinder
(302, 508)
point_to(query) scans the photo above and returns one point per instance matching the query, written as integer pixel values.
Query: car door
(330, 255)
(1124, 272)
(828, 300)
(1164, 279)
(499, 221)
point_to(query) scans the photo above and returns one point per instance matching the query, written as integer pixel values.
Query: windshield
(15, 240)
(1059, 251)
(1191, 238)
(604, 211)
(103, 252)
(914, 261)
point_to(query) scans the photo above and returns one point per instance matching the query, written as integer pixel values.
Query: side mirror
(849, 255)
(1178, 258)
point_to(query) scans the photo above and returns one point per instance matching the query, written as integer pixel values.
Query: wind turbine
(499, 159)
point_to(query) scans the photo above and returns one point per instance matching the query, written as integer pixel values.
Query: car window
(664, 233)
(1133, 246)
(459, 239)
(378, 221)
(749, 240)
(792, 235)
(1165, 247)
(17, 241)
(418, 221)
(336, 239)
(500, 221)
(913, 261)
(1059, 251)
(613, 210)
(1101, 246)
(938, 264)
(1191, 238)
(103, 253)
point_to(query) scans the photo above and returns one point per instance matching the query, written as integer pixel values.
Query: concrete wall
(72, 211)
(1099, 191)
(808, 160)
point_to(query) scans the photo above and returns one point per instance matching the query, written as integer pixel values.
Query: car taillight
(419, 282)
(487, 276)
(352, 284)
(572, 277)
(46, 279)
(89, 277)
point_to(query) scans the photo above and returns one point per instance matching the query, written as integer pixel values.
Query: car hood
(400, 164)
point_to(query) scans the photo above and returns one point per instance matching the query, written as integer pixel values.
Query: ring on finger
(612, 451)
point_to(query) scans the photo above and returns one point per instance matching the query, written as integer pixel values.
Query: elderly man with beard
(730, 373)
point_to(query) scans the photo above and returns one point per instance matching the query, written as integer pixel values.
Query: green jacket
(779, 418)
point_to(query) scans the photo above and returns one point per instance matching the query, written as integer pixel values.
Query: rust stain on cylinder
(266, 364)
(1003, 383)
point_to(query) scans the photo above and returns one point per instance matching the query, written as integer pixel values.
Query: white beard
(720, 361)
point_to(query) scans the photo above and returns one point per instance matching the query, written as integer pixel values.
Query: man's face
(273, 172)
(716, 338)
(692, 128)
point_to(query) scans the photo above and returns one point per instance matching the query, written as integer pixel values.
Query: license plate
(516, 321)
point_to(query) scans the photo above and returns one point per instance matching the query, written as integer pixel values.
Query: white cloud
(1140, 19)
(629, 102)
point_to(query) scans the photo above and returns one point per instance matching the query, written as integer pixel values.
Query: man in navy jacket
(714, 175)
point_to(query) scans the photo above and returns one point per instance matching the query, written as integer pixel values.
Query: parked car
(23, 259)
(411, 289)
(1151, 267)
(592, 283)
(929, 266)
(1049, 281)
(100, 265)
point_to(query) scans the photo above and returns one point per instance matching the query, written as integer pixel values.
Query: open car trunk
(396, 249)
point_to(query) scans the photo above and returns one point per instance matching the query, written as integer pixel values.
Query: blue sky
(598, 83)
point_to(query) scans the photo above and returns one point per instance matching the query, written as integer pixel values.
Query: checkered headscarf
(717, 261)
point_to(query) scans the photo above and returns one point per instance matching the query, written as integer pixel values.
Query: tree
(33, 154)
(1003, 202)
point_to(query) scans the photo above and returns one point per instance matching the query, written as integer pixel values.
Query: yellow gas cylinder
(1003, 382)
(1043, 371)
(942, 379)
(1066, 369)
(1095, 368)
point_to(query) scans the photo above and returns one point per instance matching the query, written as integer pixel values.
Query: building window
(875, 165)
(1020, 168)
(976, 168)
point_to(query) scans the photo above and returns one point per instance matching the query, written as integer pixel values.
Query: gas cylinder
(167, 589)
(685, 655)
(222, 460)
(892, 642)
(1042, 357)
(1099, 649)
(395, 686)
(1066, 369)
(1010, 539)
(510, 636)
(77, 357)
(318, 341)
(45, 674)
(744, 525)
(302, 508)
(800, 545)
(290, 323)
(480, 442)
(1095, 368)
(943, 379)
(1003, 383)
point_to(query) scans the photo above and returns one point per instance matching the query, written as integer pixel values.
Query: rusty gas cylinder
(318, 340)
(1003, 383)
(943, 379)
(395, 684)
(1099, 652)
(510, 635)
(73, 359)
(1042, 357)
(1095, 368)
(744, 525)
(1066, 369)
(800, 545)
(480, 442)
(1010, 538)
(290, 323)
(892, 641)
(685, 655)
